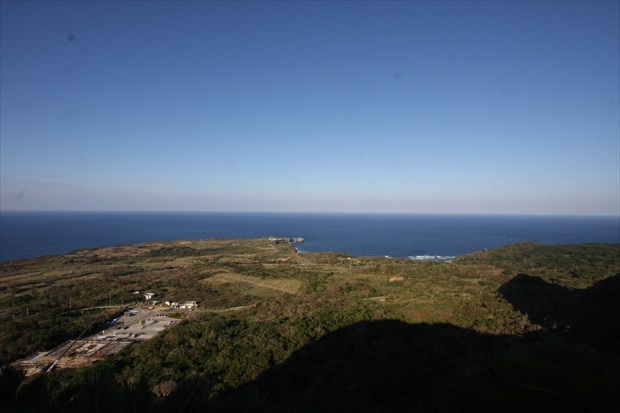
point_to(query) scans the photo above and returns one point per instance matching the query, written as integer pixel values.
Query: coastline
(28, 235)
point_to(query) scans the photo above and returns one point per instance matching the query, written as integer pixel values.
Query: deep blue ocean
(31, 234)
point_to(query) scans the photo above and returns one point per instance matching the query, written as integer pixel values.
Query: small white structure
(148, 296)
(189, 305)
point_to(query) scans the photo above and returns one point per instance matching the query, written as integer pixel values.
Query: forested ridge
(522, 327)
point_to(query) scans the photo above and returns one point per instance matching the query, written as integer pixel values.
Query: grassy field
(283, 285)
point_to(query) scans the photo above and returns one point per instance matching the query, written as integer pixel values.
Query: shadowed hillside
(395, 366)
(375, 366)
(590, 315)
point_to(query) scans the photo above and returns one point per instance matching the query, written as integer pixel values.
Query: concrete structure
(289, 240)
(135, 326)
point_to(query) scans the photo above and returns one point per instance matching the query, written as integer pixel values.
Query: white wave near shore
(437, 258)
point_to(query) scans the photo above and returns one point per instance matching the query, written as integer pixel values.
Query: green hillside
(523, 327)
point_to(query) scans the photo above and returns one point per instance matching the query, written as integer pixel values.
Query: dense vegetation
(523, 327)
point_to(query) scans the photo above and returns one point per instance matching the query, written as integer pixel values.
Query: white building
(189, 305)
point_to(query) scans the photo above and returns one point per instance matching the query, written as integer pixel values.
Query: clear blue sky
(441, 107)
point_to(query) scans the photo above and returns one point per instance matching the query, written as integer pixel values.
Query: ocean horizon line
(376, 213)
